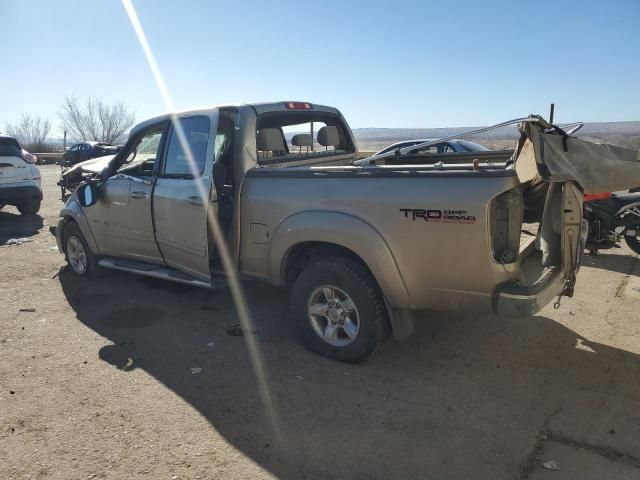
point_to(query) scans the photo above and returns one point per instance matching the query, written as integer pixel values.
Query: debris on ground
(235, 330)
(196, 370)
(550, 465)
(27, 309)
(16, 241)
(299, 377)
(210, 344)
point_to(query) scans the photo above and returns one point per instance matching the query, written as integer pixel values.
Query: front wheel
(30, 207)
(632, 237)
(79, 256)
(338, 309)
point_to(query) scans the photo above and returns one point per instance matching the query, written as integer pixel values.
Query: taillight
(597, 196)
(506, 212)
(27, 157)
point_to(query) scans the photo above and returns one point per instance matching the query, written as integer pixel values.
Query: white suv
(19, 177)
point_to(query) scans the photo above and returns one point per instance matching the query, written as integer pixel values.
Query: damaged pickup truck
(361, 246)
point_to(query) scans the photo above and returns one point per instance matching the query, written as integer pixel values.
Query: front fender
(346, 231)
(73, 210)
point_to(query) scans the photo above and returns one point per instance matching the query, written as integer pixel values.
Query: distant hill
(626, 134)
(372, 139)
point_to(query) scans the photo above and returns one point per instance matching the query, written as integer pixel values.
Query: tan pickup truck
(361, 246)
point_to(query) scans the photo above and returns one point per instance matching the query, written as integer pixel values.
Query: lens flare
(228, 263)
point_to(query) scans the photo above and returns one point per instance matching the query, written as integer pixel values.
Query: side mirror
(87, 194)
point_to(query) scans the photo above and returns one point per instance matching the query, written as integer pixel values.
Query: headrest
(270, 140)
(328, 136)
(302, 140)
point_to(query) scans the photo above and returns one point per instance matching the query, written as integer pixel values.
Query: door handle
(138, 195)
(195, 201)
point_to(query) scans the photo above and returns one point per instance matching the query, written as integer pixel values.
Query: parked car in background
(86, 150)
(19, 177)
(451, 146)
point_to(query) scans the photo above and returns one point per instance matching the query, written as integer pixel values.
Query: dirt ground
(96, 382)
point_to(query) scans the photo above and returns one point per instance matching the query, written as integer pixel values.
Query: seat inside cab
(302, 137)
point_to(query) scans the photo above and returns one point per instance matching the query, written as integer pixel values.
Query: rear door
(182, 194)
(12, 168)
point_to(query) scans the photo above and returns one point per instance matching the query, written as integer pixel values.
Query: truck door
(121, 219)
(182, 195)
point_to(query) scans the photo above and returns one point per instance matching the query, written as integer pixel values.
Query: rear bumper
(16, 195)
(520, 301)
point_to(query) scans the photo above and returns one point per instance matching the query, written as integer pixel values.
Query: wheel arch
(72, 212)
(322, 233)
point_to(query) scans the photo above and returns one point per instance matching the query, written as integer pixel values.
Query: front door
(122, 220)
(182, 195)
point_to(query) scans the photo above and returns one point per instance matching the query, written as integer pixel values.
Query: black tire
(633, 242)
(30, 207)
(72, 231)
(354, 280)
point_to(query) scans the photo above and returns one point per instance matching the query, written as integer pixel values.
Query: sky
(405, 64)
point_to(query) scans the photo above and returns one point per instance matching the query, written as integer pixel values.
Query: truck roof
(258, 108)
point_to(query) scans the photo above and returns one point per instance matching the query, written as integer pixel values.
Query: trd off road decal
(438, 216)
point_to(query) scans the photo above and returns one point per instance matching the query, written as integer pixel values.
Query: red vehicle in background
(613, 217)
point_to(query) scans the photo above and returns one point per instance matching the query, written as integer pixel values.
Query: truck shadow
(15, 225)
(614, 262)
(464, 397)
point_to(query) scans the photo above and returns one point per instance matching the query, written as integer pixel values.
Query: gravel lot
(96, 382)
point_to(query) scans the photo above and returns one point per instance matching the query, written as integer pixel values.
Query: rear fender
(73, 211)
(346, 231)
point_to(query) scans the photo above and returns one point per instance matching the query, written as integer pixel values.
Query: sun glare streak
(228, 263)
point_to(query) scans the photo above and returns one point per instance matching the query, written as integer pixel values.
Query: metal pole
(64, 150)
(533, 119)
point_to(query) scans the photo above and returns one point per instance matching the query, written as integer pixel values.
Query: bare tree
(31, 132)
(95, 120)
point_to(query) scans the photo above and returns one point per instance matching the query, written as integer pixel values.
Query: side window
(187, 157)
(141, 155)
(221, 144)
(74, 148)
(447, 148)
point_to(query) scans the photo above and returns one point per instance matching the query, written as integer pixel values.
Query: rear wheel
(78, 254)
(632, 237)
(338, 309)
(29, 207)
